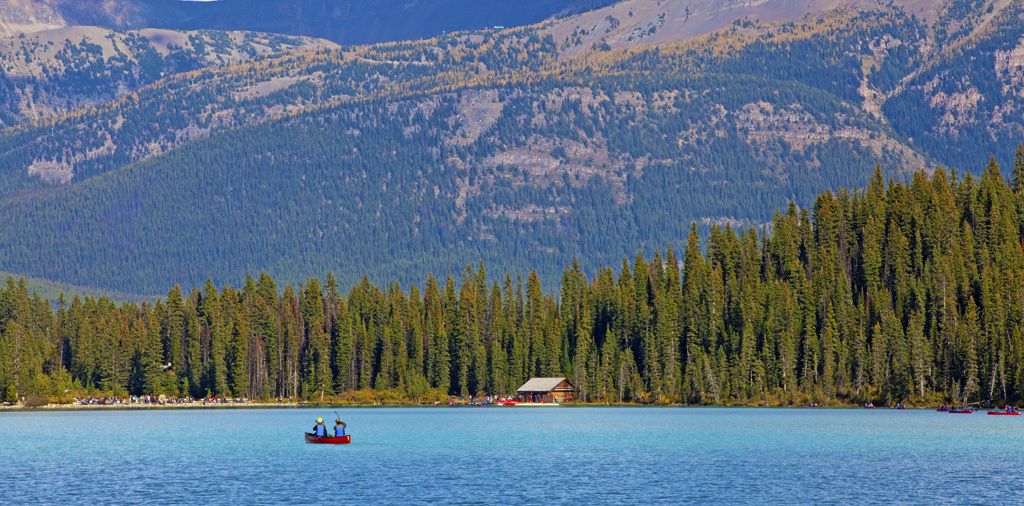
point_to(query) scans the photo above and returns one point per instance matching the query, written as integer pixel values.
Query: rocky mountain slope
(522, 147)
(58, 71)
(342, 21)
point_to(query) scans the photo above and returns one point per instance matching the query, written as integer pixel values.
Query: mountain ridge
(344, 22)
(401, 158)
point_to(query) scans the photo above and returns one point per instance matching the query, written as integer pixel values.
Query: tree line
(911, 291)
(384, 169)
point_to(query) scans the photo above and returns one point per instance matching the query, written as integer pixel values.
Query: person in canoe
(320, 430)
(339, 428)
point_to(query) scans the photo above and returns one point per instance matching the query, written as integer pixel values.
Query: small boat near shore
(343, 440)
(1010, 413)
(965, 411)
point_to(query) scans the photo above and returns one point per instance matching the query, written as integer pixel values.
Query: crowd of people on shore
(478, 401)
(152, 400)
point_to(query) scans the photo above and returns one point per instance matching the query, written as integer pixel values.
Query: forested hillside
(57, 72)
(519, 147)
(374, 160)
(906, 292)
(966, 103)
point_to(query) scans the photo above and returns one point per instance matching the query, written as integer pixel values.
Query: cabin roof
(542, 385)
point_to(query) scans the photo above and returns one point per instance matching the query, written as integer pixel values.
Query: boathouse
(547, 390)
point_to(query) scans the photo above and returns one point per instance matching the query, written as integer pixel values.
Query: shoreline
(293, 405)
(134, 406)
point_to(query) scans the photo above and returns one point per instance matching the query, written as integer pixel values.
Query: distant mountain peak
(634, 22)
(343, 21)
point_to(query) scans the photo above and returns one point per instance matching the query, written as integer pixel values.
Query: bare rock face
(56, 71)
(343, 21)
(26, 16)
(633, 22)
(1011, 63)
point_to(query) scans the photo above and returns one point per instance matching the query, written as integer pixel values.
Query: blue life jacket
(321, 431)
(339, 431)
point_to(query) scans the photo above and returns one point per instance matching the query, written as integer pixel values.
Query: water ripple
(513, 456)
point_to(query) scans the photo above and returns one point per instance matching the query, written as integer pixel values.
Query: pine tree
(237, 357)
(318, 357)
(920, 352)
(967, 336)
(499, 383)
(1018, 170)
(582, 365)
(344, 351)
(288, 368)
(173, 333)
(193, 350)
(455, 339)
(538, 352)
(216, 368)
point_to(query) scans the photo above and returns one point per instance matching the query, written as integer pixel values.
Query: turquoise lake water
(502, 455)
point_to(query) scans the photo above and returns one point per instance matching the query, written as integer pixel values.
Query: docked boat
(343, 440)
(1011, 413)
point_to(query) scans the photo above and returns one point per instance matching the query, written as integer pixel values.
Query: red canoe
(343, 440)
(961, 411)
(1003, 413)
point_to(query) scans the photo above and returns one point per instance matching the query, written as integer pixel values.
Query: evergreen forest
(135, 161)
(903, 291)
(424, 156)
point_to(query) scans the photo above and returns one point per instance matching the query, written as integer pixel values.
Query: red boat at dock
(343, 440)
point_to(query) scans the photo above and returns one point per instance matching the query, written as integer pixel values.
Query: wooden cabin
(547, 390)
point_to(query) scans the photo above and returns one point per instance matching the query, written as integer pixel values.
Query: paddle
(337, 415)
